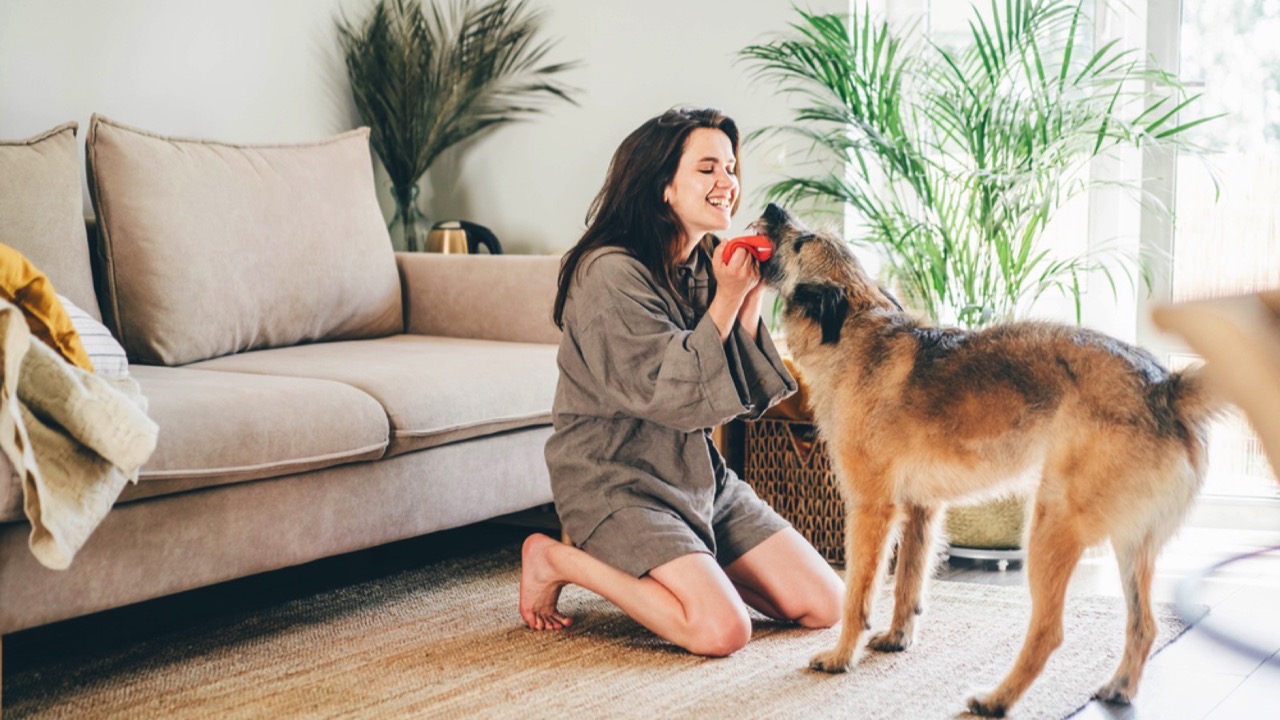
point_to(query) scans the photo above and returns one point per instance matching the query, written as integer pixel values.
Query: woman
(663, 341)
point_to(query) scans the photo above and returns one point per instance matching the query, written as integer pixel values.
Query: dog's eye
(801, 240)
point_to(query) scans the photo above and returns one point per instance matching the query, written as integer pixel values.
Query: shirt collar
(697, 259)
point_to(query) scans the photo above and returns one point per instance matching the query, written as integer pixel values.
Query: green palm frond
(957, 159)
(425, 80)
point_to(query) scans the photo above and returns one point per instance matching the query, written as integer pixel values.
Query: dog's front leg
(866, 539)
(915, 564)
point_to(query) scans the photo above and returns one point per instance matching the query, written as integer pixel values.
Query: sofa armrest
(487, 297)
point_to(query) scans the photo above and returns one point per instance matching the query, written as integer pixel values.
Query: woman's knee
(721, 634)
(820, 607)
(824, 610)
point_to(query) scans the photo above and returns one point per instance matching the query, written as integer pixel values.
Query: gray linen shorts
(638, 538)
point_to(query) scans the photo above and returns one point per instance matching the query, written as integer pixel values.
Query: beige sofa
(316, 393)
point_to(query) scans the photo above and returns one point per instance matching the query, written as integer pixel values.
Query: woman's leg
(786, 579)
(689, 601)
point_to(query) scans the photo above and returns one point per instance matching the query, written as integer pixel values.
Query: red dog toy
(758, 245)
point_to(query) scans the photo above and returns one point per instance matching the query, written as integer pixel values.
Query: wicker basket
(789, 468)
(994, 525)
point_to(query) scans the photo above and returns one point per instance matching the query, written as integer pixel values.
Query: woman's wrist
(749, 313)
(749, 319)
(724, 311)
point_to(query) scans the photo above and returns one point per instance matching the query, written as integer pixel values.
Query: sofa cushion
(435, 390)
(211, 248)
(42, 210)
(218, 428)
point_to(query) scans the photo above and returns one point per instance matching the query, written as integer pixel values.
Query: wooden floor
(1195, 677)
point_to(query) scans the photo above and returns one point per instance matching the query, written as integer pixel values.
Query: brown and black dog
(1110, 444)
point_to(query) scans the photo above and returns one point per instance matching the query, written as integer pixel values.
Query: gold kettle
(461, 236)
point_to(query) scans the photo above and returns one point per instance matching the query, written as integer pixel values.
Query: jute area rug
(445, 640)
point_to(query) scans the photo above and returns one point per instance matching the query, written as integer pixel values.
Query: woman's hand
(735, 281)
(736, 276)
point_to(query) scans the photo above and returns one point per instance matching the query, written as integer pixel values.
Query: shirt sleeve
(767, 380)
(646, 365)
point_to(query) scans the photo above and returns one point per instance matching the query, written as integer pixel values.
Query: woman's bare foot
(539, 585)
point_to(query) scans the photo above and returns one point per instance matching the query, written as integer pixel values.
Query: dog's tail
(1194, 400)
(1194, 404)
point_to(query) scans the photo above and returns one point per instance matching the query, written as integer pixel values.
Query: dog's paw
(831, 661)
(890, 641)
(1114, 693)
(985, 706)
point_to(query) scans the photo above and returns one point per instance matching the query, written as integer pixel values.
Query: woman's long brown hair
(629, 212)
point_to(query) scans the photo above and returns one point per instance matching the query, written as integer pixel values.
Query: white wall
(237, 70)
(270, 71)
(534, 182)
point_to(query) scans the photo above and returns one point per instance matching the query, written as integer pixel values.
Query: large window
(1226, 237)
(1230, 48)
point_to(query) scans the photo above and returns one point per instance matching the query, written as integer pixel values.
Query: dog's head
(816, 273)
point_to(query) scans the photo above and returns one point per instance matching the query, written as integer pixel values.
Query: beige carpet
(446, 641)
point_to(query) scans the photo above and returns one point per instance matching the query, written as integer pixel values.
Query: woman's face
(705, 186)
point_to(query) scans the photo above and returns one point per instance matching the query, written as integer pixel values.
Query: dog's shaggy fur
(1111, 445)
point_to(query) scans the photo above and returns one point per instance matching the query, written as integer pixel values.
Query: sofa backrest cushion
(42, 210)
(211, 248)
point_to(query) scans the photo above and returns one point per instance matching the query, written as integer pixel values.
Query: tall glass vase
(409, 219)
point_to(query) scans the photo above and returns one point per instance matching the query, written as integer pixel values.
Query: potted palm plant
(957, 158)
(425, 80)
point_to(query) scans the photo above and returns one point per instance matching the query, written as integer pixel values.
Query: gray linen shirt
(643, 379)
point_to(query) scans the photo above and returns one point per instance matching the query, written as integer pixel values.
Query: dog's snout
(774, 214)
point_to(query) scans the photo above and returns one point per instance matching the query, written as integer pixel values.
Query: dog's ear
(826, 305)
(885, 291)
